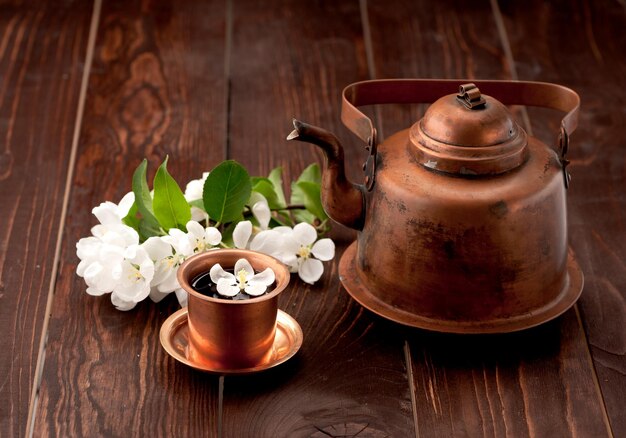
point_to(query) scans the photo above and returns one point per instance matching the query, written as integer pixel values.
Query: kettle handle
(384, 91)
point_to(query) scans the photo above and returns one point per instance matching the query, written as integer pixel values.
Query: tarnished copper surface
(465, 223)
(230, 334)
(345, 194)
(174, 337)
(458, 139)
(351, 279)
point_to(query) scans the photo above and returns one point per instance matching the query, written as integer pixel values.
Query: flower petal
(267, 242)
(311, 270)
(304, 233)
(180, 241)
(193, 190)
(120, 303)
(261, 212)
(157, 248)
(227, 288)
(255, 289)
(265, 278)
(94, 291)
(125, 205)
(242, 233)
(156, 295)
(256, 197)
(169, 283)
(218, 273)
(142, 292)
(92, 272)
(324, 249)
(213, 236)
(289, 244)
(195, 229)
(291, 260)
(283, 229)
(246, 266)
(197, 214)
(182, 296)
(106, 213)
(80, 269)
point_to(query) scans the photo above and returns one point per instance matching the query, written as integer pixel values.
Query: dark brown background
(89, 89)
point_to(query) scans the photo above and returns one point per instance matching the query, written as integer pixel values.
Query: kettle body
(464, 250)
(462, 223)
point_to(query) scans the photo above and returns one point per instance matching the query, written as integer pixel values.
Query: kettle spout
(342, 200)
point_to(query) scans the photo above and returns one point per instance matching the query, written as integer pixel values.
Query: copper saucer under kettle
(461, 220)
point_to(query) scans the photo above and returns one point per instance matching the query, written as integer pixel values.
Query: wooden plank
(292, 60)
(583, 49)
(41, 51)
(156, 87)
(535, 383)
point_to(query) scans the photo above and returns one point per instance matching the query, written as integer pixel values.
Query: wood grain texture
(535, 383)
(583, 49)
(156, 87)
(292, 60)
(41, 51)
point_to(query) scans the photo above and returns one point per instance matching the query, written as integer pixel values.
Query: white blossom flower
(242, 234)
(244, 229)
(203, 239)
(113, 262)
(98, 259)
(109, 213)
(100, 253)
(195, 187)
(133, 276)
(260, 210)
(166, 262)
(193, 192)
(303, 253)
(267, 241)
(169, 252)
(116, 234)
(244, 279)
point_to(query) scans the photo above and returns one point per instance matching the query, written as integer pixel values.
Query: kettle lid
(469, 134)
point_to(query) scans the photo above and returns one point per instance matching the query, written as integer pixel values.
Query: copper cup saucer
(354, 285)
(174, 337)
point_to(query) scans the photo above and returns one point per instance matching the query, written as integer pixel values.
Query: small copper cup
(226, 333)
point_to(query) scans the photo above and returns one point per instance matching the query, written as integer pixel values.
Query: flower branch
(136, 249)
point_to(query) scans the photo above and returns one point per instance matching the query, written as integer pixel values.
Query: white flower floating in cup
(244, 279)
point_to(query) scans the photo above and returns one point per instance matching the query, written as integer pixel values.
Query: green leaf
(131, 218)
(197, 203)
(256, 179)
(303, 216)
(147, 230)
(265, 187)
(170, 206)
(276, 178)
(312, 173)
(143, 200)
(312, 199)
(226, 191)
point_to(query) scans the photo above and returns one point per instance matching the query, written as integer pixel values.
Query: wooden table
(89, 89)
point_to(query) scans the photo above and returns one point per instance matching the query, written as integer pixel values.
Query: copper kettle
(461, 218)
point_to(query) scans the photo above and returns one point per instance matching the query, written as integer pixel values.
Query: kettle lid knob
(470, 96)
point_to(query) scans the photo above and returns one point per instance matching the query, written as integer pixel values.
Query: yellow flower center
(304, 252)
(242, 279)
(135, 275)
(200, 245)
